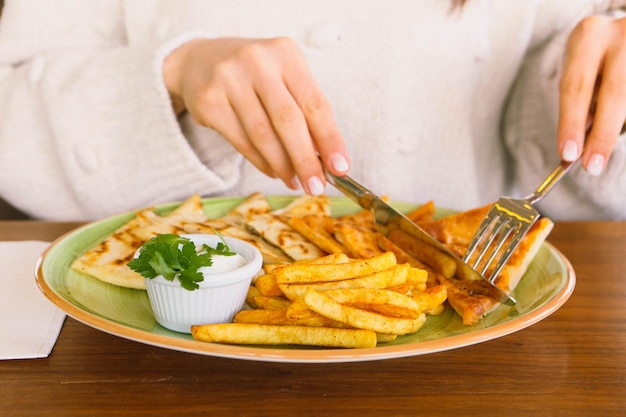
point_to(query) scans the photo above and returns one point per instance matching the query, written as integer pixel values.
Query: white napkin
(29, 322)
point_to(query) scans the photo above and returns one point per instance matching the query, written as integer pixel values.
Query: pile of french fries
(332, 301)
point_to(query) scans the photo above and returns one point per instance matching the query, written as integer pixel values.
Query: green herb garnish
(174, 256)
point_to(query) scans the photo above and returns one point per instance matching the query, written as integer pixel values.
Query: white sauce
(223, 263)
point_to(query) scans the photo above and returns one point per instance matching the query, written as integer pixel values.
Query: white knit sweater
(420, 94)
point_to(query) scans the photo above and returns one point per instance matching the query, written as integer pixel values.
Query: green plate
(124, 312)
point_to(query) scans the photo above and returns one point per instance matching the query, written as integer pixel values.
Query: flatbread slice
(235, 228)
(233, 224)
(306, 205)
(466, 301)
(272, 229)
(255, 203)
(108, 260)
(456, 231)
(360, 242)
(313, 227)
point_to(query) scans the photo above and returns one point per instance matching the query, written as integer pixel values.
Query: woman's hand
(593, 92)
(260, 95)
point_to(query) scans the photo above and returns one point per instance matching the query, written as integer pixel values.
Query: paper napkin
(29, 322)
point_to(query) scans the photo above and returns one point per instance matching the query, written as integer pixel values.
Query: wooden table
(570, 364)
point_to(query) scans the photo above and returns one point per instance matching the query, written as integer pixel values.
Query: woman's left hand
(593, 92)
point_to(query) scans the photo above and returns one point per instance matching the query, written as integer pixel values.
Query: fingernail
(295, 183)
(338, 162)
(595, 164)
(570, 151)
(315, 186)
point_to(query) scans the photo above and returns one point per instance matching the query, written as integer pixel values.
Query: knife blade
(388, 218)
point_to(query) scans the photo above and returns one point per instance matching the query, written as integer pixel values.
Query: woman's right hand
(261, 96)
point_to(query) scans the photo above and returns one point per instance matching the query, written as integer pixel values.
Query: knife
(387, 219)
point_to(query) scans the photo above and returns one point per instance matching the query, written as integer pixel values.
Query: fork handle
(551, 180)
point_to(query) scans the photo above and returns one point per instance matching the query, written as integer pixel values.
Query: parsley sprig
(174, 256)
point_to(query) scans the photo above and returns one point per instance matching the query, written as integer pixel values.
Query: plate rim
(305, 355)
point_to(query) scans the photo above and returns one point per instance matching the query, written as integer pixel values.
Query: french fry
(298, 309)
(401, 255)
(279, 318)
(405, 288)
(387, 278)
(430, 298)
(385, 338)
(261, 316)
(361, 319)
(267, 286)
(270, 303)
(318, 236)
(252, 293)
(300, 313)
(439, 261)
(417, 278)
(361, 243)
(333, 258)
(308, 273)
(436, 310)
(255, 334)
(389, 303)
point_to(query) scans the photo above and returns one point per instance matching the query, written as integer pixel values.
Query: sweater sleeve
(555, 16)
(529, 131)
(86, 124)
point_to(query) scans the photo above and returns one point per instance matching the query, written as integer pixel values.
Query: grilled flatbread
(255, 203)
(107, 261)
(234, 225)
(306, 205)
(456, 232)
(272, 229)
(279, 233)
(470, 304)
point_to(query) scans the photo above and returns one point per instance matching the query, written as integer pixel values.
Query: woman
(110, 106)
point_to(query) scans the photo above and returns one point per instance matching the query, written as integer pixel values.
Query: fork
(505, 225)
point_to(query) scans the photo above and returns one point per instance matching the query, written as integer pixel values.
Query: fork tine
(496, 238)
(505, 227)
(496, 225)
(481, 235)
(510, 248)
(486, 242)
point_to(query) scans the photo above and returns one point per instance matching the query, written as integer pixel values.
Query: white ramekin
(220, 296)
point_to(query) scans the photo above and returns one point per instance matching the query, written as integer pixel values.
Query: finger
(324, 131)
(290, 125)
(262, 135)
(610, 106)
(582, 63)
(327, 140)
(286, 116)
(229, 105)
(214, 111)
